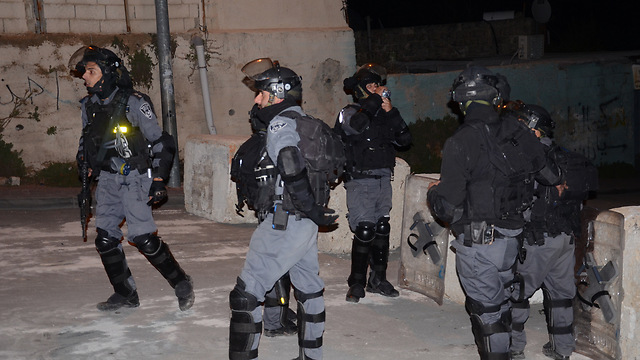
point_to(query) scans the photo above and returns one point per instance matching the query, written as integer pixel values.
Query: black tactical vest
(373, 148)
(109, 134)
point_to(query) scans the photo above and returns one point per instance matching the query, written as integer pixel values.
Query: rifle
(84, 197)
(425, 239)
(595, 293)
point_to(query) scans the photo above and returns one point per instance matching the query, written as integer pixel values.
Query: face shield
(254, 71)
(76, 65)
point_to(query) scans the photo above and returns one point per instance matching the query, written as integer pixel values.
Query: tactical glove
(321, 215)
(157, 192)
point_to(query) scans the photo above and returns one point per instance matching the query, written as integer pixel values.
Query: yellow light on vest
(123, 129)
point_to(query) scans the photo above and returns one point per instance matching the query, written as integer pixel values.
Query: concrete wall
(39, 99)
(113, 17)
(397, 47)
(591, 98)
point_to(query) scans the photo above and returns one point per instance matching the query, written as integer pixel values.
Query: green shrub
(57, 174)
(11, 163)
(425, 154)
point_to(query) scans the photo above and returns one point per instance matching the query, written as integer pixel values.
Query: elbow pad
(443, 209)
(164, 157)
(403, 135)
(550, 174)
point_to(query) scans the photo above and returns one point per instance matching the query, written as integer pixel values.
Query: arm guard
(163, 158)
(441, 208)
(550, 174)
(294, 175)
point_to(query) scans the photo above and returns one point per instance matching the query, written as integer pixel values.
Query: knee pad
(550, 306)
(475, 307)
(519, 326)
(147, 244)
(304, 318)
(104, 243)
(242, 327)
(482, 332)
(365, 232)
(383, 227)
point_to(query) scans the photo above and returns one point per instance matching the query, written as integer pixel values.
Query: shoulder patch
(145, 109)
(276, 125)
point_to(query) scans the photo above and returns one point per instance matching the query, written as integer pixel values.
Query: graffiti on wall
(25, 101)
(598, 133)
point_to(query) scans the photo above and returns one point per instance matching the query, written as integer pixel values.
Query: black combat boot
(379, 257)
(364, 234)
(550, 352)
(115, 265)
(158, 254)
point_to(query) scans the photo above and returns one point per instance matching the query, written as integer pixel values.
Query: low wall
(210, 193)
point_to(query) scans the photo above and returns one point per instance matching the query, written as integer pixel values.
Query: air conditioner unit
(530, 46)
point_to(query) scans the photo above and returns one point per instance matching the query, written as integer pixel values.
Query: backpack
(579, 173)
(255, 175)
(251, 169)
(517, 154)
(321, 147)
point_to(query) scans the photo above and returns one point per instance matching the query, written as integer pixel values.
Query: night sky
(575, 25)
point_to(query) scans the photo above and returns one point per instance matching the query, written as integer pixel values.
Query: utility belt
(479, 232)
(363, 174)
(117, 165)
(280, 214)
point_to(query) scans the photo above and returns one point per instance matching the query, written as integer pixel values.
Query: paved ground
(52, 281)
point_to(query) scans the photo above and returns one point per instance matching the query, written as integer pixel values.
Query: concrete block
(80, 26)
(340, 239)
(13, 10)
(208, 189)
(59, 26)
(90, 12)
(595, 337)
(14, 26)
(630, 303)
(143, 26)
(113, 26)
(115, 12)
(144, 12)
(59, 11)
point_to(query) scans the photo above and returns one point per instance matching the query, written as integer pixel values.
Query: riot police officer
(371, 129)
(130, 156)
(553, 223)
(483, 200)
(286, 238)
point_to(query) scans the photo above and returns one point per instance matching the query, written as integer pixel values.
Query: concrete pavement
(52, 281)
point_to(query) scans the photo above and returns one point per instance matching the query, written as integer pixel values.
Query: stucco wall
(591, 98)
(36, 77)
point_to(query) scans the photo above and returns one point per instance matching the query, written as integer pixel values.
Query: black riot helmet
(477, 83)
(369, 73)
(538, 118)
(113, 71)
(264, 74)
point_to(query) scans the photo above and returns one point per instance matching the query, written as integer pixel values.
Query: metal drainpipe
(202, 65)
(166, 79)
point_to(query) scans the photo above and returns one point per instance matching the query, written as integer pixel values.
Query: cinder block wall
(94, 16)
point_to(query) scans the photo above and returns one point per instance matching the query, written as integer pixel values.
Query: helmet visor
(76, 65)
(376, 69)
(257, 67)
